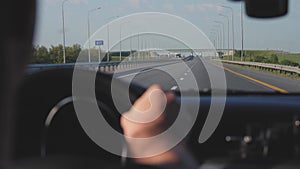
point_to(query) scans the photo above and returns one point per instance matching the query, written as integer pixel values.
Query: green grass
(267, 53)
(230, 58)
(291, 57)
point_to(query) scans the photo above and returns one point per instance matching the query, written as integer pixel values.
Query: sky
(271, 34)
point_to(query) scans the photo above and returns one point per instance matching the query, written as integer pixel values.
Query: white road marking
(174, 87)
(132, 74)
(193, 66)
(182, 78)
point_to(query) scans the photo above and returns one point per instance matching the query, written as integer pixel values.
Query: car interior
(39, 127)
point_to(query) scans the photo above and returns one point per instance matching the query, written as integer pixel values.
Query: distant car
(178, 55)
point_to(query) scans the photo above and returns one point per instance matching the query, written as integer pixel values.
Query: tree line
(271, 57)
(54, 54)
(274, 60)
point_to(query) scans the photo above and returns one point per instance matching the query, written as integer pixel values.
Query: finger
(144, 102)
(150, 106)
(171, 97)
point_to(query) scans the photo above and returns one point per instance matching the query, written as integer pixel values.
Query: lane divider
(150, 68)
(174, 87)
(132, 74)
(254, 80)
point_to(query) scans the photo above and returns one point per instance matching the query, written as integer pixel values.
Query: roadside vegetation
(274, 57)
(54, 54)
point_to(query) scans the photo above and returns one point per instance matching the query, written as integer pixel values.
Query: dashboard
(255, 131)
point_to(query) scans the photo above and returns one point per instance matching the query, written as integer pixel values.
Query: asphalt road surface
(209, 74)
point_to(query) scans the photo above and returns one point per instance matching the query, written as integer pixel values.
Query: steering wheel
(42, 91)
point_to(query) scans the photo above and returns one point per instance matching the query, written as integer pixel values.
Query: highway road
(183, 73)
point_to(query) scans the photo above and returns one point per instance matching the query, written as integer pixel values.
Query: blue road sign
(99, 42)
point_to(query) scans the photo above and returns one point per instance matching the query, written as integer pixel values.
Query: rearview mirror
(266, 8)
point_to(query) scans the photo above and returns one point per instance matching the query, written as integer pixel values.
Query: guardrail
(268, 66)
(103, 66)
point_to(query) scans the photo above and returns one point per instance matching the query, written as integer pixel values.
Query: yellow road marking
(255, 80)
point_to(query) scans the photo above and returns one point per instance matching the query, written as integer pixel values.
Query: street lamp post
(63, 27)
(218, 34)
(218, 31)
(121, 39)
(142, 46)
(223, 32)
(215, 38)
(89, 43)
(242, 32)
(138, 45)
(130, 47)
(228, 33)
(232, 26)
(114, 17)
(99, 52)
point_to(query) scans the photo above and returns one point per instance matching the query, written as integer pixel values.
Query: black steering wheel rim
(42, 90)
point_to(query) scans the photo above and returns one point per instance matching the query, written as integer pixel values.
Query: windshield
(181, 45)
